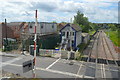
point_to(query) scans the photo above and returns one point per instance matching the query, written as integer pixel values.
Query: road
(58, 68)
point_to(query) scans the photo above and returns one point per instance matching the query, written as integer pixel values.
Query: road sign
(28, 65)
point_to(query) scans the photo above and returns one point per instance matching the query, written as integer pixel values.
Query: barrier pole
(35, 43)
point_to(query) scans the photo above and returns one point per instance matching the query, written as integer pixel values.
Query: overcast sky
(97, 11)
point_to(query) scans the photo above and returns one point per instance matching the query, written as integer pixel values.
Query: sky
(97, 11)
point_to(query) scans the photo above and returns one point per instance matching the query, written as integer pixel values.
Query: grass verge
(114, 36)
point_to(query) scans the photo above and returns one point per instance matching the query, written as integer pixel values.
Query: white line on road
(79, 69)
(104, 71)
(53, 63)
(13, 64)
(101, 71)
(53, 71)
(10, 61)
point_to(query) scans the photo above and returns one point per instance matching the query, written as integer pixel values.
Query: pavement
(47, 67)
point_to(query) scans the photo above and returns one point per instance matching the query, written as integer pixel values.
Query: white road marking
(10, 61)
(53, 63)
(60, 72)
(104, 71)
(53, 71)
(13, 64)
(79, 69)
(101, 71)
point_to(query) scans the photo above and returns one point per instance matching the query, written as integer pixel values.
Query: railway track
(113, 61)
(104, 42)
(90, 59)
(96, 57)
(100, 58)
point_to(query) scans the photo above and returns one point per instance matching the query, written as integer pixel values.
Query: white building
(71, 35)
(43, 28)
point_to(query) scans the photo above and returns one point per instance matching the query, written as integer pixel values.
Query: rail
(90, 52)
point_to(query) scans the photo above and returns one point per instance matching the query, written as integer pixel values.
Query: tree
(54, 22)
(112, 27)
(82, 21)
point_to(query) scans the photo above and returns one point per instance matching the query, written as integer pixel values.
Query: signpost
(28, 65)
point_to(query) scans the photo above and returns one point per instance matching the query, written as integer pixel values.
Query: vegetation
(47, 42)
(114, 36)
(81, 47)
(83, 22)
(113, 32)
(92, 32)
(113, 27)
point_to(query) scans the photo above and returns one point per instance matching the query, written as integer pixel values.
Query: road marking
(53, 63)
(13, 64)
(64, 73)
(79, 69)
(10, 61)
(101, 71)
(53, 71)
(104, 71)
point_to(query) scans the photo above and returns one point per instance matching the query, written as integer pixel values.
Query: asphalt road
(59, 68)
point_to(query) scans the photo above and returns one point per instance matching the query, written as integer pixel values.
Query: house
(85, 38)
(11, 30)
(44, 28)
(0, 35)
(5, 32)
(70, 35)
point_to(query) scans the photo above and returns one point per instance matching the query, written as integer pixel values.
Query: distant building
(0, 35)
(70, 34)
(5, 32)
(43, 28)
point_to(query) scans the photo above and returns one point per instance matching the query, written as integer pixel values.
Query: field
(114, 36)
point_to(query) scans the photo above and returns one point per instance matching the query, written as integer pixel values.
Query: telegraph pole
(6, 33)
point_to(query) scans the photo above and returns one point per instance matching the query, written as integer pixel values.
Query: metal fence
(53, 53)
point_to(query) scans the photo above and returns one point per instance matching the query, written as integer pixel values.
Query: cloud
(48, 7)
(59, 10)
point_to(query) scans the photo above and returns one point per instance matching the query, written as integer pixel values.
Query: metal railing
(53, 53)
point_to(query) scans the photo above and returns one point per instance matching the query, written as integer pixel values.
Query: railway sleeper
(111, 62)
(92, 60)
(102, 61)
(118, 62)
(84, 59)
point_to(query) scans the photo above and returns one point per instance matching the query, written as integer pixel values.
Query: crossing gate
(53, 53)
